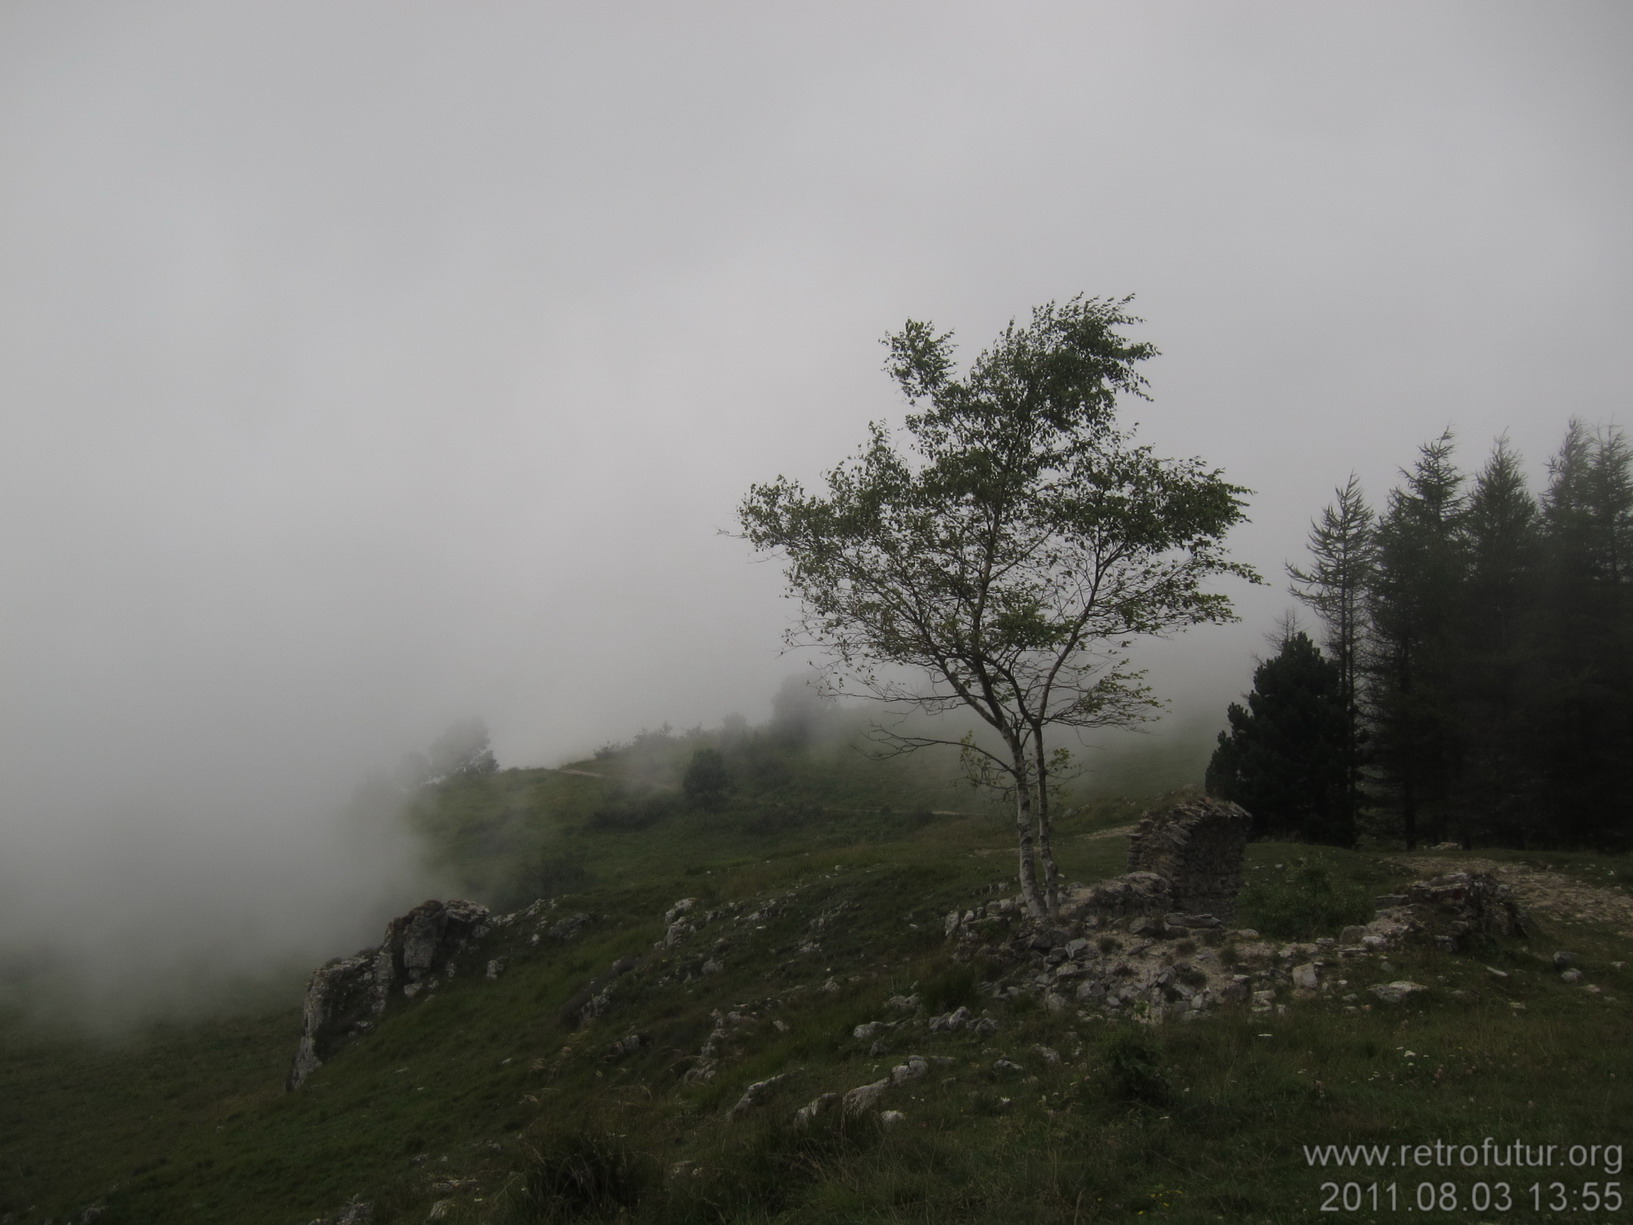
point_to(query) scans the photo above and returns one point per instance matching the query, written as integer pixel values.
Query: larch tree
(1334, 586)
(1496, 666)
(1585, 689)
(1006, 560)
(1417, 582)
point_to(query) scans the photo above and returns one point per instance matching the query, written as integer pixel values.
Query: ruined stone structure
(1197, 847)
(1455, 912)
(1185, 861)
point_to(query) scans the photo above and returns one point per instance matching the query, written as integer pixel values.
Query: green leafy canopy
(1020, 539)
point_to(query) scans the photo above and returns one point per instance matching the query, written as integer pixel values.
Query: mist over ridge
(366, 370)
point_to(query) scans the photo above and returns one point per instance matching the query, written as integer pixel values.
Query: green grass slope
(819, 887)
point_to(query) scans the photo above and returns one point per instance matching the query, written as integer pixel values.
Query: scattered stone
(1564, 961)
(915, 1067)
(1571, 975)
(864, 1097)
(815, 1107)
(1305, 977)
(1399, 991)
(684, 906)
(496, 967)
(952, 1021)
(569, 928)
(891, 1117)
(754, 1094)
(358, 1212)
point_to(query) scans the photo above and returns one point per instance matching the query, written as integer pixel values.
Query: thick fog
(365, 367)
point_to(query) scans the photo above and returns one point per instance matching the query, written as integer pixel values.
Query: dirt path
(1552, 894)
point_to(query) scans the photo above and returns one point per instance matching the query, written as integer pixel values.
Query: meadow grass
(488, 1102)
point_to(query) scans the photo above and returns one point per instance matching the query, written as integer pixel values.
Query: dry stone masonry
(1154, 942)
(1197, 848)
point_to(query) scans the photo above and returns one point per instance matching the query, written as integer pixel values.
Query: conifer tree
(1585, 682)
(1342, 549)
(1420, 566)
(1283, 758)
(1496, 632)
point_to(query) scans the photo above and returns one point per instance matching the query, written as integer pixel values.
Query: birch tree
(1006, 558)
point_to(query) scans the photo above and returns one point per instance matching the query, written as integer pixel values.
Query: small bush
(949, 988)
(581, 1172)
(707, 780)
(1132, 1071)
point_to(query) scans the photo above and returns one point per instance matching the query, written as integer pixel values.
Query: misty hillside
(693, 937)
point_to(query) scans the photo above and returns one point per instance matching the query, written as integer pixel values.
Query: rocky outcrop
(346, 997)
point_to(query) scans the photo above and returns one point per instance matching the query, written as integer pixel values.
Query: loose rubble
(1153, 943)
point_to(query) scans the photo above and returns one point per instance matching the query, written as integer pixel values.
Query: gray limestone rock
(865, 1097)
(1398, 992)
(344, 998)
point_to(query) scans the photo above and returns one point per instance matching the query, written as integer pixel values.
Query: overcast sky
(367, 366)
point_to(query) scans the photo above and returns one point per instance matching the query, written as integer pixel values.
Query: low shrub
(1132, 1068)
(581, 1171)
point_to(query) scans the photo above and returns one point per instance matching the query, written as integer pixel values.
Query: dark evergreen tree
(1499, 783)
(706, 780)
(1342, 549)
(1284, 757)
(1585, 683)
(1420, 567)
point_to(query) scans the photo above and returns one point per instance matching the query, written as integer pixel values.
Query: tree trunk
(1046, 847)
(1035, 905)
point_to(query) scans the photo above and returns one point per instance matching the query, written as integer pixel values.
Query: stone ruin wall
(1184, 861)
(1197, 847)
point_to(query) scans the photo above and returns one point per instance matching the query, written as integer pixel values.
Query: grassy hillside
(819, 887)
